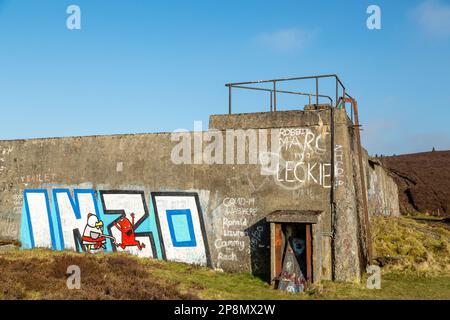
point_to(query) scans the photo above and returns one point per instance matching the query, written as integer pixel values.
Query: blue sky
(152, 66)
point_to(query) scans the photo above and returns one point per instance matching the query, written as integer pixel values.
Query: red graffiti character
(127, 229)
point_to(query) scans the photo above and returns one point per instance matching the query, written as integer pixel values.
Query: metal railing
(274, 91)
(340, 102)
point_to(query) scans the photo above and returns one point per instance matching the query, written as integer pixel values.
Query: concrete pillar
(346, 251)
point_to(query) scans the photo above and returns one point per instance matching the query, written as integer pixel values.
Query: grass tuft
(403, 244)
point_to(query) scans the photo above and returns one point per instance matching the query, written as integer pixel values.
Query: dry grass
(41, 274)
(404, 244)
(414, 256)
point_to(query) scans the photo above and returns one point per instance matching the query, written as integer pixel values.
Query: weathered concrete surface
(293, 216)
(347, 243)
(237, 232)
(280, 119)
(382, 190)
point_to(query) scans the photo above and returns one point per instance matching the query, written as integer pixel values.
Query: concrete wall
(217, 210)
(382, 191)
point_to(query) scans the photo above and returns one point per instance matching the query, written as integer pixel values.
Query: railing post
(343, 95)
(351, 112)
(317, 91)
(337, 92)
(229, 99)
(274, 96)
(271, 97)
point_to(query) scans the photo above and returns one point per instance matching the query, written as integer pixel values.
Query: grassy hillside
(412, 244)
(414, 256)
(423, 180)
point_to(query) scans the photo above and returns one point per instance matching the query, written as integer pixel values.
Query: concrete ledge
(266, 120)
(293, 216)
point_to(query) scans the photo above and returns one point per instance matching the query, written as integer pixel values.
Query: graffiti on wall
(237, 211)
(180, 222)
(339, 165)
(172, 229)
(37, 227)
(130, 212)
(238, 233)
(302, 159)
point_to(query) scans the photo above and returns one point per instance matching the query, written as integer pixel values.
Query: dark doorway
(292, 245)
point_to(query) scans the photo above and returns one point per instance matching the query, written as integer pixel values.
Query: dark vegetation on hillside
(423, 180)
(115, 277)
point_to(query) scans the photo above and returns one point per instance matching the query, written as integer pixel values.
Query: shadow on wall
(259, 237)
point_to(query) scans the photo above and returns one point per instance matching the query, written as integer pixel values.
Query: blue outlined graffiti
(182, 240)
(40, 233)
(181, 228)
(175, 231)
(76, 229)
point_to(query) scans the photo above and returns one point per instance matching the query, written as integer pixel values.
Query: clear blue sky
(150, 66)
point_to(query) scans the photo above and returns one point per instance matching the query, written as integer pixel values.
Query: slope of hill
(413, 255)
(423, 180)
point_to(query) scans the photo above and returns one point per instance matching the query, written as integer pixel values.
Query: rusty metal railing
(340, 102)
(274, 91)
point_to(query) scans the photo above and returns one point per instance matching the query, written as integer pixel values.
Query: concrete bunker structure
(228, 198)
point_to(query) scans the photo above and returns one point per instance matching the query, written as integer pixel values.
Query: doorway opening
(291, 248)
(293, 256)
